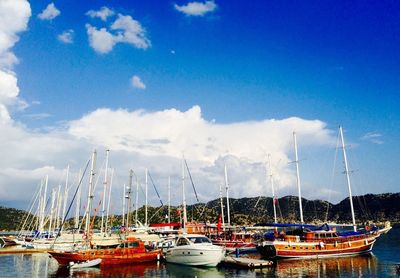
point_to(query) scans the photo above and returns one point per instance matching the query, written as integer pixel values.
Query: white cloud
(100, 40)
(373, 137)
(123, 30)
(137, 82)
(66, 36)
(103, 13)
(132, 32)
(49, 13)
(156, 140)
(14, 17)
(196, 8)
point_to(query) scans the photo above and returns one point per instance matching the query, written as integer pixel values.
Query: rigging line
(72, 201)
(194, 188)
(155, 188)
(191, 180)
(332, 176)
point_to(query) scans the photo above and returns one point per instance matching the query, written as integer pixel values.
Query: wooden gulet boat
(131, 251)
(306, 243)
(309, 241)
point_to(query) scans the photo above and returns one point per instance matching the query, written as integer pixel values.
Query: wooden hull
(286, 249)
(108, 257)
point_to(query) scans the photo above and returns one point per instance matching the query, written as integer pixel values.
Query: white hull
(206, 255)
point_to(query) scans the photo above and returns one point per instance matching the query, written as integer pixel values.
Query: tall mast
(227, 196)
(128, 196)
(90, 192)
(78, 201)
(65, 197)
(123, 206)
(53, 197)
(183, 194)
(58, 209)
(109, 199)
(346, 170)
(104, 193)
(222, 207)
(136, 200)
(298, 177)
(145, 205)
(272, 187)
(169, 199)
(43, 206)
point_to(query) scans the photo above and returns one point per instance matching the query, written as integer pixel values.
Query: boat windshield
(199, 239)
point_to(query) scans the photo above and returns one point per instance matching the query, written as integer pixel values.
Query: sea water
(383, 262)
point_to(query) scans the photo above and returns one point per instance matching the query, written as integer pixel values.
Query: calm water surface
(381, 263)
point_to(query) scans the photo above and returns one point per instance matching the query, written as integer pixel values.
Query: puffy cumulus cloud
(49, 13)
(103, 13)
(156, 140)
(207, 145)
(14, 17)
(137, 82)
(196, 8)
(124, 29)
(66, 36)
(100, 39)
(132, 31)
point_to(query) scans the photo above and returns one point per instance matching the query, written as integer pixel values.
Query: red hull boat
(131, 251)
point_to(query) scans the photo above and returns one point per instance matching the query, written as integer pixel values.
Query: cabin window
(181, 242)
(134, 244)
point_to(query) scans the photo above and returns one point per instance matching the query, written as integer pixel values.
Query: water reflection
(356, 266)
(40, 265)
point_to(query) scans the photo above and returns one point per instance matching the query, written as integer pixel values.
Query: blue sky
(229, 66)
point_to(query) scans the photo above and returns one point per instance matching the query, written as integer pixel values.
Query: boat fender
(336, 244)
(321, 244)
(349, 243)
(366, 242)
(158, 257)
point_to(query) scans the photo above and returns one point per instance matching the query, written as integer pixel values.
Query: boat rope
(155, 188)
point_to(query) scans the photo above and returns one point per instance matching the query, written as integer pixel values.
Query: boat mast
(43, 206)
(145, 205)
(123, 205)
(346, 170)
(227, 195)
(78, 202)
(183, 194)
(136, 200)
(90, 192)
(65, 197)
(169, 199)
(53, 197)
(298, 177)
(104, 193)
(272, 187)
(128, 196)
(222, 207)
(109, 199)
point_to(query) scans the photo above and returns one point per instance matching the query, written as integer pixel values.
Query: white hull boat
(195, 250)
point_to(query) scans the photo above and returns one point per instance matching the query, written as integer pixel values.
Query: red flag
(275, 201)
(219, 223)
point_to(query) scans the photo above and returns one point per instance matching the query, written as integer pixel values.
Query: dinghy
(85, 264)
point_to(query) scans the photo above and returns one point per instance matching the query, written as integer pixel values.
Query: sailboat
(310, 241)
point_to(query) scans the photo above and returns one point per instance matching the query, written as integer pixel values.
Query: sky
(220, 82)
